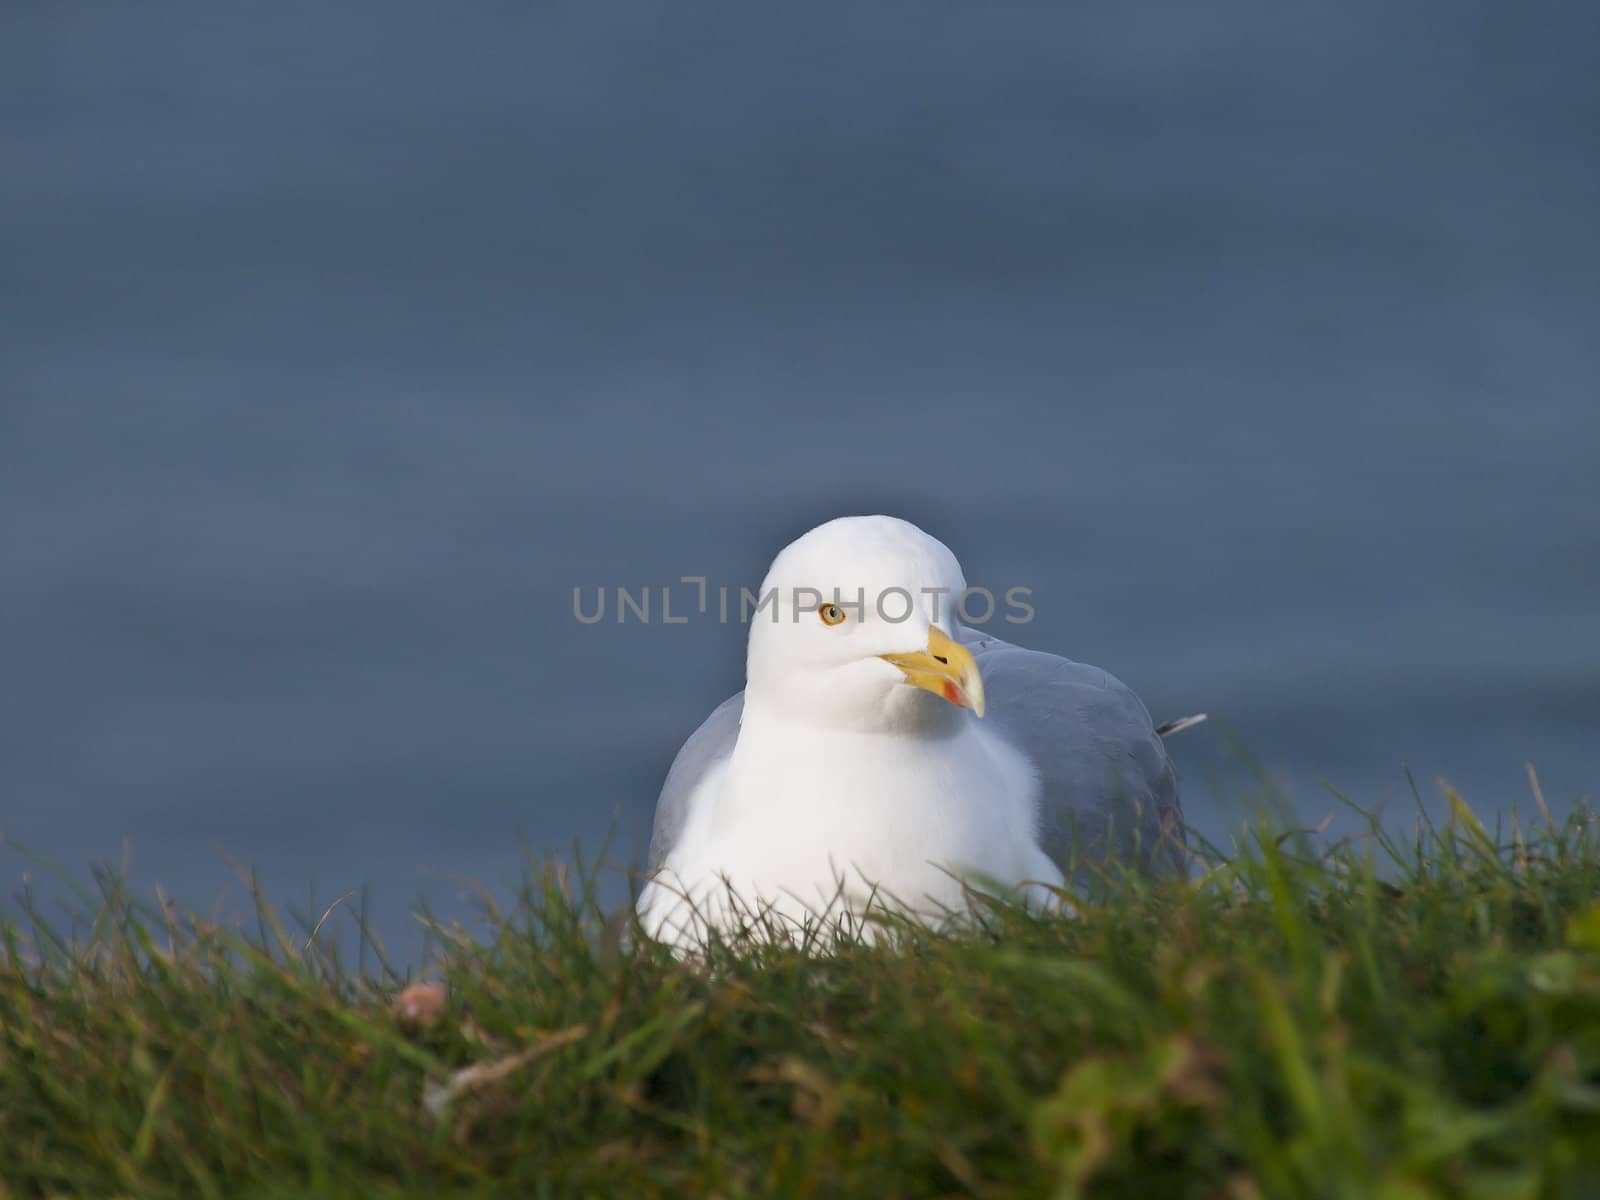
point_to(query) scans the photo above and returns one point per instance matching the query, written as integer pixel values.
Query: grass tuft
(1375, 1018)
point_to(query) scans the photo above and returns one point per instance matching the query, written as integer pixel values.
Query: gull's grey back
(1107, 788)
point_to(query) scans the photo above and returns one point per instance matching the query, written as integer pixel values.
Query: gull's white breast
(801, 818)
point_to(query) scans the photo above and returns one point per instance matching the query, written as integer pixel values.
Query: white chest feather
(801, 821)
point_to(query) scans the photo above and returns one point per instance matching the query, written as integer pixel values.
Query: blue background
(338, 344)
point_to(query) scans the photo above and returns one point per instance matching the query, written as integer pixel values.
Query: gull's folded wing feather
(1108, 789)
(696, 768)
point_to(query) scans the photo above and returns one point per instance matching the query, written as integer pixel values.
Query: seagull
(883, 753)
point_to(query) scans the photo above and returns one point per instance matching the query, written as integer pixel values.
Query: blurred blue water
(337, 345)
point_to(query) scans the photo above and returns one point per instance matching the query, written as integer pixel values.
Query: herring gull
(828, 781)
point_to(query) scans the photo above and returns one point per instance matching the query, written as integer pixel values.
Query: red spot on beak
(953, 694)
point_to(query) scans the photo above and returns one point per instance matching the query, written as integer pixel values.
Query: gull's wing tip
(1178, 726)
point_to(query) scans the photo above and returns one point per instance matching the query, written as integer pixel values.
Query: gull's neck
(935, 751)
(905, 713)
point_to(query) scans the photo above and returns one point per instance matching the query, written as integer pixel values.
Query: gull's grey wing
(706, 752)
(1108, 789)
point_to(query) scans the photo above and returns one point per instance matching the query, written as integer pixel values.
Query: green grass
(1364, 1020)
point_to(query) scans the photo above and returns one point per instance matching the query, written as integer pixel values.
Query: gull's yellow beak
(946, 668)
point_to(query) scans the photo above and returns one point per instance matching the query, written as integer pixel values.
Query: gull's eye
(831, 614)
